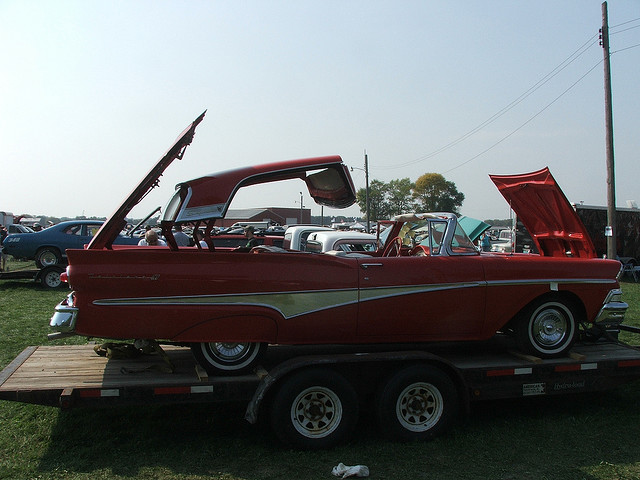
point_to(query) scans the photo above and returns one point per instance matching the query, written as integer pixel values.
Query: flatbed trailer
(48, 277)
(312, 395)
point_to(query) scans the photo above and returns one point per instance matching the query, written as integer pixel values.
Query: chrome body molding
(297, 303)
(553, 282)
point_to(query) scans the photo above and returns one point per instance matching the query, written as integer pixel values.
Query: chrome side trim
(550, 281)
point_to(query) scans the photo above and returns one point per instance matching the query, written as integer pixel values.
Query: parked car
(504, 242)
(239, 240)
(295, 237)
(17, 228)
(427, 283)
(341, 241)
(48, 247)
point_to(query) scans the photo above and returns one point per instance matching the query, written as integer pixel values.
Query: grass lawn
(589, 436)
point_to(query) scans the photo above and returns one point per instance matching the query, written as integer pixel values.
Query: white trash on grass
(344, 471)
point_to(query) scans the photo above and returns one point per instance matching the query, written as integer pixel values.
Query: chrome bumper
(613, 309)
(63, 320)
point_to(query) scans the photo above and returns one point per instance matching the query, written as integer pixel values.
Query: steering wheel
(394, 248)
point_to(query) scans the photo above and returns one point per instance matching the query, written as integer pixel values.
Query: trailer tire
(546, 328)
(314, 409)
(418, 402)
(50, 277)
(228, 358)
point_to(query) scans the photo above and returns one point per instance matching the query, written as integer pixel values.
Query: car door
(421, 298)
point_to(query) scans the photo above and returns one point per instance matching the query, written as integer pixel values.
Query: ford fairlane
(426, 283)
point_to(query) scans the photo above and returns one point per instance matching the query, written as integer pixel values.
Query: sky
(92, 93)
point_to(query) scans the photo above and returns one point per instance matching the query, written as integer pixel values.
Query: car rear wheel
(314, 409)
(228, 358)
(547, 328)
(418, 402)
(46, 257)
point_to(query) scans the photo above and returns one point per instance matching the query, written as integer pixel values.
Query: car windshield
(430, 233)
(423, 232)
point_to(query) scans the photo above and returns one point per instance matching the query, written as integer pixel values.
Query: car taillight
(64, 277)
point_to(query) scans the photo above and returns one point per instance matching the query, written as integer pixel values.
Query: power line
(626, 48)
(624, 23)
(525, 123)
(564, 64)
(625, 30)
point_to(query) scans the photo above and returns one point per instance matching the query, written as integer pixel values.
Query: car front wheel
(46, 257)
(547, 328)
(228, 358)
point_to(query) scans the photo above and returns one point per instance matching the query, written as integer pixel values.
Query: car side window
(92, 230)
(73, 230)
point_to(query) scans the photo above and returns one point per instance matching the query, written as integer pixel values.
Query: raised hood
(542, 207)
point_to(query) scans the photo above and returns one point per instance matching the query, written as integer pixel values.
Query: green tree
(399, 196)
(378, 206)
(433, 193)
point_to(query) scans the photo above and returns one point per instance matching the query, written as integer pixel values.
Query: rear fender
(232, 328)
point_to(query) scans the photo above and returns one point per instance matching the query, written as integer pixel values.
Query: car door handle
(367, 265)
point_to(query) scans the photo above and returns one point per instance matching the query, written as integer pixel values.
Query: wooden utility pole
(611, 230)
(366, 174)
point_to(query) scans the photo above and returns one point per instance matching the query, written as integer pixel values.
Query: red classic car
(428, 283)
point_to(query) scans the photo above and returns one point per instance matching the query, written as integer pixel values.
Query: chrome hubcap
(230, 351)
(549, 327)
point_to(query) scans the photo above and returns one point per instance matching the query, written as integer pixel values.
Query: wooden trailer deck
(66, 375)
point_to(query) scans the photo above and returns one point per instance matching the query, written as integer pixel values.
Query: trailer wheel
(314, 409)
(547, 328)
(227, 358)
(47, 256)
(50, 277)
(418, 402)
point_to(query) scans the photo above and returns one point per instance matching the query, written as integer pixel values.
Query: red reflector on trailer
(99, 392)
(576, 367)
(509, 372)
(171, 390)
(183, 390)
(567, 368)
(629, 363)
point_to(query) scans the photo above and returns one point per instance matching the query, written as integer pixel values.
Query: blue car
(48, 247)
